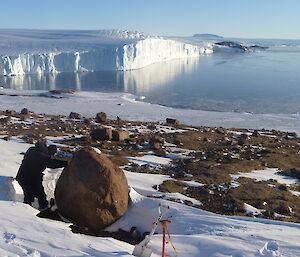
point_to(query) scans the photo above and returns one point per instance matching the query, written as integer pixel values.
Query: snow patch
(264, 175)
(98, 151)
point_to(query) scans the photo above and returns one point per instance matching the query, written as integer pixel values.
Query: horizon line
(132, 30)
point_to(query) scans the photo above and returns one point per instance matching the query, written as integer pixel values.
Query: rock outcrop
(92, 192)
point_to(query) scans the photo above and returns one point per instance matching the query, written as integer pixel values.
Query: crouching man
(30, 174)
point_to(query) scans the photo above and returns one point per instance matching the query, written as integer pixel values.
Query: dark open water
(263, 82)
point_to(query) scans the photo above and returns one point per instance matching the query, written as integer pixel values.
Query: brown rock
(61, 91)
(101, 134)
(156, 142)
(5, 119)
(220, 131)
(161, 153)
(7, 138)
(241, 141)
(120, 135)
(87, 121)
(177, 142)
(228, 142)
(11, 112)
(101, 117)
(75, 115)
(172, 121)
(92, 192)
(25, 111)
(156, 146)
(156, 138)
(151, 127)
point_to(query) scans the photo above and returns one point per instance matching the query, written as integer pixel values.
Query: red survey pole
(164, 230)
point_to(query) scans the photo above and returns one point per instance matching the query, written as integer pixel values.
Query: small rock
(101, 117)
(156, 142)
(172, 121)
(151, 127)
(244, 136)
(241, 141)
(220, 131)
(156, 146)
(5, 119)
(7, 138)
(25, 111)
(177, 142)
(87, 121)
(156, 138)
(75, 115)
(61, 91)
(161, 153)
(11, 112)
(205, 139)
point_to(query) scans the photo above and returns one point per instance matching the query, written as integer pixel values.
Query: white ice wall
(127, 57)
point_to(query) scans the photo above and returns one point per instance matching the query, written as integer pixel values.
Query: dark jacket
(35, 161)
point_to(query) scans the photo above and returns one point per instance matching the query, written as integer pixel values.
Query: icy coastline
(128, 107)
(96, 52)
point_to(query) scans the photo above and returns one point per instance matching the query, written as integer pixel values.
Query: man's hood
(41, 146)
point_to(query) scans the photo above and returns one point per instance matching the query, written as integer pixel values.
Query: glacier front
(32, 51)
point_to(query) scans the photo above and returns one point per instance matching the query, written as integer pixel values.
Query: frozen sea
(260, 82)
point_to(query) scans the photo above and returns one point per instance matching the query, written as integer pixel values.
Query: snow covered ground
(127, 107)
(195, 233)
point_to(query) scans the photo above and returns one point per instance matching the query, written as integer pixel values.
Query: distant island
(208, 36)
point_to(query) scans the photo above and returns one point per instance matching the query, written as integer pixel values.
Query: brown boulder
(120, 135)
(92, 192)
(101, 134)
(101, 117)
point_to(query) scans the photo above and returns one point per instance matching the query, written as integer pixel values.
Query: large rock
(92, 192)
(101, 134)
(120, 135)
(101, 117)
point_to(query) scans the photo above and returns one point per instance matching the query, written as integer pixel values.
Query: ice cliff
(24, 52)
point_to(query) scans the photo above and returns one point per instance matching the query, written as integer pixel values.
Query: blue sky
(237, 18)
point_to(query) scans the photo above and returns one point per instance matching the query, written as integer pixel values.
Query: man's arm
(55, 163)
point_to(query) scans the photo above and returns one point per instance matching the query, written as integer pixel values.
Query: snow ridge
(116, 33)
